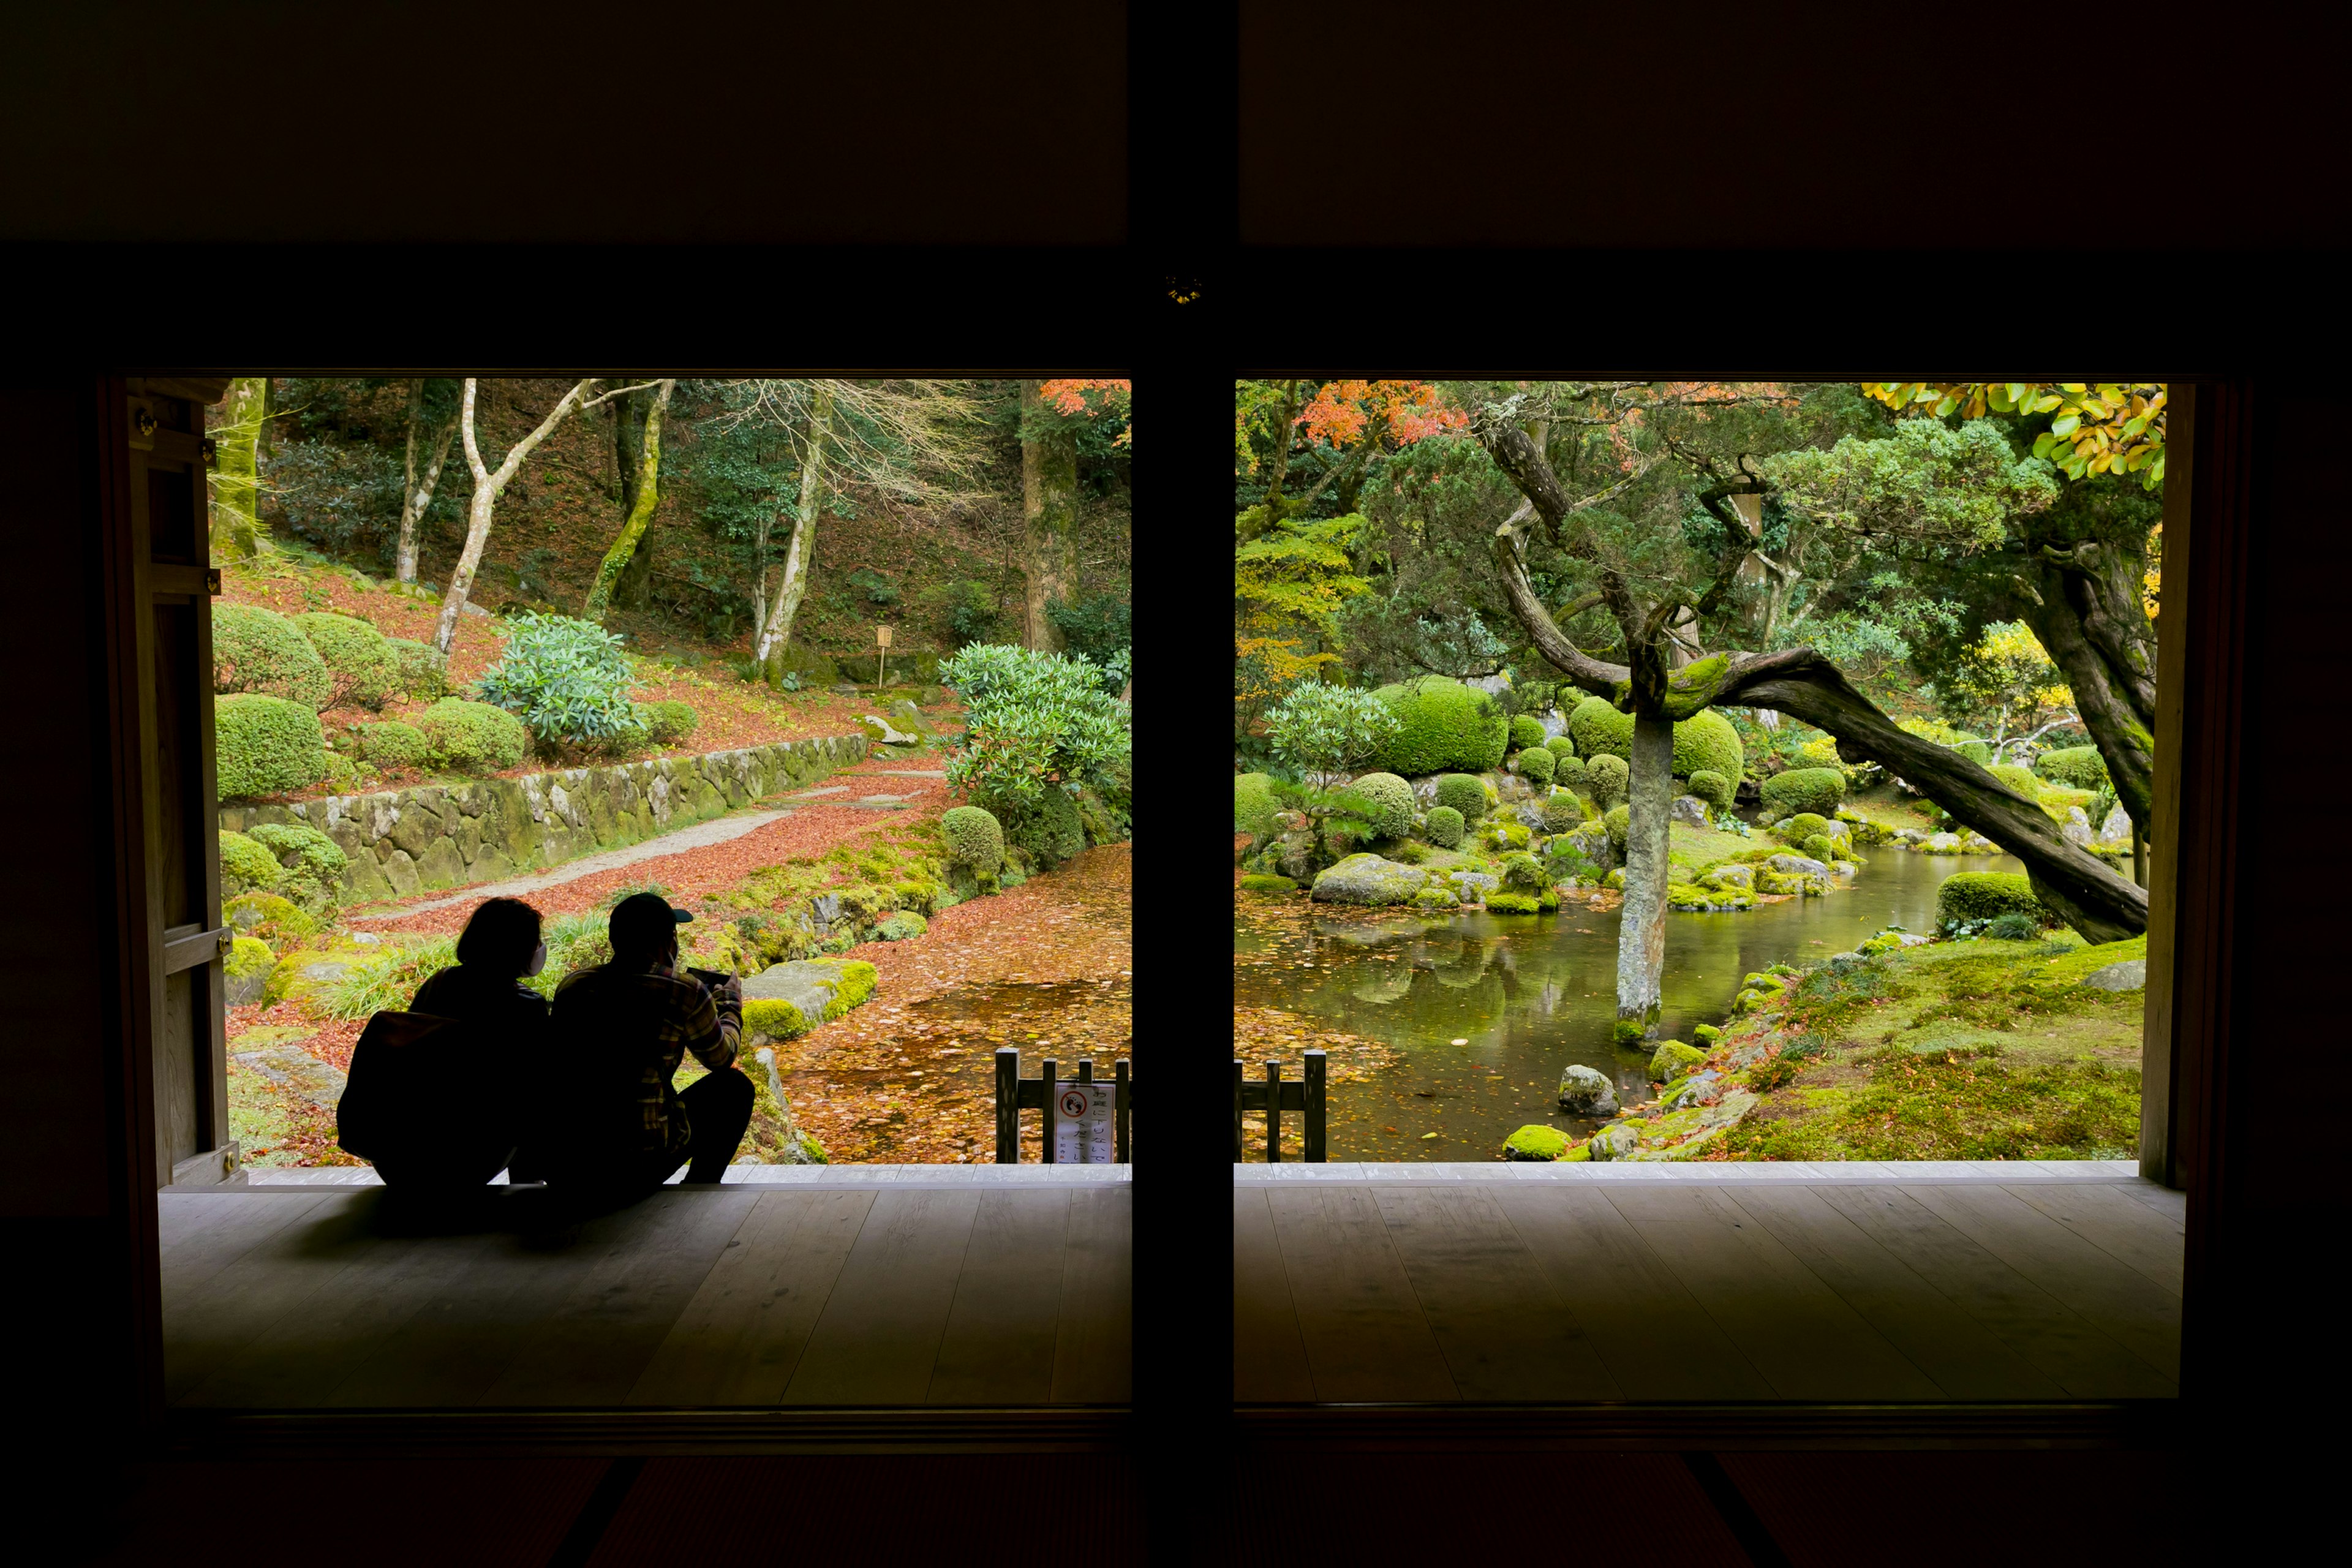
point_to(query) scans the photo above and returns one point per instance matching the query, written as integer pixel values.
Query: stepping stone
(812, 793)
(878, 802)
(297, 1072)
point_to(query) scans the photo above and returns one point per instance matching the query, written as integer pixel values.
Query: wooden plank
(739, 1340)
(202, 1234)
(2132, 1233)
(2173, 1206)
(2114, 1298)
(594, 1345)
(878, 1336)
(1363, 1326)
(1785, 1318)
(1094, 1339)
(999, 1344)
(1967, 1359)
(1505, 1332)
(1269, 1357)
(2035, 1324)
(281, 1273)
(1651, 1332)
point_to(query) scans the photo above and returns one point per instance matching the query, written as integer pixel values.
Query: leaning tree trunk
(2093, 622)
(236, 486)
(489, 485)
(1049, 517)
(1642, 925)
(777, 630)
(417, 490)
(645, 495)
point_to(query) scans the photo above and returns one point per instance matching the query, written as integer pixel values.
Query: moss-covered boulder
(270, 917)
(1265, 882)
(1367, 879)
(1443, 726)
(1672, 1059)
(246, 971)
(788, 1000)
(1968, 897)
(1535, 1142)
(1587, 1091)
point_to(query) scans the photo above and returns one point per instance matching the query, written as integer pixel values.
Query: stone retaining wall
(400, 842)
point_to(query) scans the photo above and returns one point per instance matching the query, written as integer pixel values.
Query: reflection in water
(1533, 996)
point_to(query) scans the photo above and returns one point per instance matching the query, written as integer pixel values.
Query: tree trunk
(489, 485)
(1642, 925)
(416, 491)
(778, 628)
(644, 489)
(1049, 516)
(236, 484)
(1280, 462)
(2092, 621)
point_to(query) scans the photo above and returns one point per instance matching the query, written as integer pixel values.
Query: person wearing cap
(624, 1026)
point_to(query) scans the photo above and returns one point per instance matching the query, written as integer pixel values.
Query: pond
(1531, 997)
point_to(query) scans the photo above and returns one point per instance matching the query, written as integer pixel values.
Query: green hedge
(265, 745)
(1705, 743)
(1535, 764)
(1804, 789)
(1443, 725)
(247, 867)
(668, 722)
(2077, 767)
(359, 660)
(1607, 775)
(1465, 794)
(1569, 772)
(1444, 826)
(1254, 804)
(1988, 895)
(975, 839)
(258, 650)
(1393, 797)
(1713, 788)
(423, 673)
(474, 737)
(1527, 730)
(393, 744)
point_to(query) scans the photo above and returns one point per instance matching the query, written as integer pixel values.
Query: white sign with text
(1082, 1131)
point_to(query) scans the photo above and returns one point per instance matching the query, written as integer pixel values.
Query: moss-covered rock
(1443, 725)
(1968, 896)
(1672, 1059)
(247, 970)
(1260, 883)
(270, 917)
(1367, 879)
(1512, 903)
(1535, 1142)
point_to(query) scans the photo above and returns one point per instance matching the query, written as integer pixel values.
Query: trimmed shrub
(2077, 767)
(1254, 804)
(2020, 779)
(567, 679)
(393, 744)
(1971, 896)
(1804, 789)
(1821, 847)
(1713, 788)
(473, 736)
(1562, 812)
(1523, 871)
(1444, 826)
(423, 673)
(257, 650)
(312, 863)
(265, 745)
(359, 662)
(246, 865)
(1527, 730)
(975, 839)
(1561, 747)
(1535, 764)
(1620, 819)
(668, 722)
(1050, 829)
(1393, 796)
(1443, 725)
(1608, 778)
(1568, 771)
(1464, 794)
(1804, 826)
(1705, 743)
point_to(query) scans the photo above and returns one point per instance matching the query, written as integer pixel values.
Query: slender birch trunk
(415, 492)
(1642, 925)
(641, 511)
(489, 485)
(777, 629)
(235, 486)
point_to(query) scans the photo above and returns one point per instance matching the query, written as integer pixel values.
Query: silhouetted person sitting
(508, 1021)
(621, 1028)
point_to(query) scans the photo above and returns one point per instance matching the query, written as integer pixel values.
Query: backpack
(396, 1098)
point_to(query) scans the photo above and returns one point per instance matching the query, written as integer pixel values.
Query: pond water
(1533, 996)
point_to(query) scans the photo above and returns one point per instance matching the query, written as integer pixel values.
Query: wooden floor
(880, 1293)
(1460, 1286)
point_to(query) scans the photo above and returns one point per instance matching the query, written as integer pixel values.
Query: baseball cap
(644, 921)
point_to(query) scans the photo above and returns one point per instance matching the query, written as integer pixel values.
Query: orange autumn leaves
(1403, 411)
(1070, 397)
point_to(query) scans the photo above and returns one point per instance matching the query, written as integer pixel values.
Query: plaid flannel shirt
(655, 1017)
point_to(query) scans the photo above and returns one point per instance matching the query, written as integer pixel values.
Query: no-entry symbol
(1081, 1124)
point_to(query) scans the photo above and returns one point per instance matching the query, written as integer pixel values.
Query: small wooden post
(1119, 1111)
(1047, 1071)
(1008, 1105)
(1314, 1109)
(882, 669)
(1237, 1111)
(1274, 1113)
(1086, 1069)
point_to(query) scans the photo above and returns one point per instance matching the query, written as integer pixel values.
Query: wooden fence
(1274, 1095)
(1015, 1094)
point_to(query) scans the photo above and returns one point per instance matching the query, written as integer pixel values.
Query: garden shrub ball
(1535, 764)
(300, 850)
(393, 744)
(474, 737)
(1713, 788)
(424, 672)
(1568, 770)
(1443, 725)
(1562, 812)
(358, 661)
(1608, 777)
(1820, 846)
(1527, 730)
(1803, 826)
(1560, 747)
(247, 867)
(1704, 742)
(669, 721)
(1988, 895)
(2020, 779)
(265, 745)
(1254, 804)
(1444, 826)
(974, 838)
(1804, 789)
(1620, 819)
(1464, 794)
(258, 650)
(1394, 798)
(2077, 767)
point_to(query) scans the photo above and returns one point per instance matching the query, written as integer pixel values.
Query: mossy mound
(2078, 767)
(474, 737)
(359, 663)
(1969, 896)
(1443, 726)
(1392, 803)
(393, 744)
(1672, 1059)
(246, 865)
(1535, 1142)
(1263, 882)
(265, 745)
(256, 650)
(1254, 804)
(1609, 777)
(1444, 826)
(1800, 790)
(1535, 764)
(974, 838)
(1465, 792)
(1704, 742)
